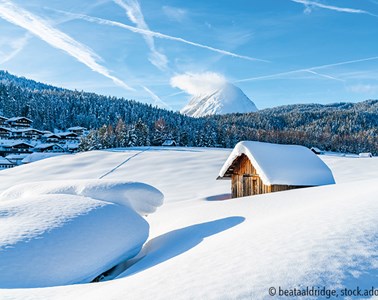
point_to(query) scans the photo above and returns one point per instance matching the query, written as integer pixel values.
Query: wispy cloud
(156, 98)
(311, 70)
(56, 38)
(134, 13)
(363, 89)
(198, 83)
(309, 4)
(16, 46)
(175, 13)
(158, 35)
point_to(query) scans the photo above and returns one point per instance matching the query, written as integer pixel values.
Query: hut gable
(257, 168)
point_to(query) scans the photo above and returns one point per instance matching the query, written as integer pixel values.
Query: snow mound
(142, 198)
(282, 164)
(228, 99)
(59, 233)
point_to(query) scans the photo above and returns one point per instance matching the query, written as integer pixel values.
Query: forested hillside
(347, 127)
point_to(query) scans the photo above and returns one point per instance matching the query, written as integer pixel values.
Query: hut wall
(246, 181)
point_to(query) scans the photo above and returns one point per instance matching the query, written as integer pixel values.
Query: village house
(5, 132)
(77, 130)
(27, 133)
(169, 143)
(257, 168)
(2, 120)
(5, 163)
(18, 122)
(49, 148)
(16, 159)
(50, 138)
(68, 136)
(9, 147)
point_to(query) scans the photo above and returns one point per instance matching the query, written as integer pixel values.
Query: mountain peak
(227, 99)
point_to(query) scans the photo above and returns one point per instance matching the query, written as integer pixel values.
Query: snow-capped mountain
(228, 99)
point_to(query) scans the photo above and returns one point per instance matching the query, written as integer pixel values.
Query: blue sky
(162, 52)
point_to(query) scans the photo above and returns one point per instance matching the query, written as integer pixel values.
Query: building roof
(51, 135)
(77, 128)
(27, 130)
(15, 119)
(16, 156)
(45, 146)
(4, 161)
(9, 144)
(169, 142)
(64, 134)
(281, 164)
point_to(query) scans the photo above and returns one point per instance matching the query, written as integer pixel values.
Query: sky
(163, 52)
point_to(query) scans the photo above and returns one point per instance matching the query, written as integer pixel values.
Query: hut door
(247, 185)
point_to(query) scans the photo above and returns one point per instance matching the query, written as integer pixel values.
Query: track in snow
(122, 163)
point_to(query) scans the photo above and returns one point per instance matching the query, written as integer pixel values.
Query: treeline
(117, 122)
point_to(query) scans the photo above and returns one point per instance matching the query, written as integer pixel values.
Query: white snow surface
(57, 233)
(282, 164)
(228, 99)
(203, 247)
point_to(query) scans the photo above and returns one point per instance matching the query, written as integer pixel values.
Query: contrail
(155, 97)
(308, 69)
(308, 3)
(151, 33)
(134, 13)
(324, 75)
(56, 38)
(17, 46)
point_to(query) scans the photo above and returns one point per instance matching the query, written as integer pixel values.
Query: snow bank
(142, 198)
(58, 233)
(282, 164)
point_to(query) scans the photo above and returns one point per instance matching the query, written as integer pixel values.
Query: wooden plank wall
(246, 181)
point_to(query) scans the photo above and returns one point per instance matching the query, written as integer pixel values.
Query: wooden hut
(257, 168)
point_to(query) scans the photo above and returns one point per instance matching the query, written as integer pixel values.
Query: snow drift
(59, 233)
(227, 99)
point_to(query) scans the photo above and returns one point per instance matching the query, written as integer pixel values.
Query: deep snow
(56, 233)
(202, 247)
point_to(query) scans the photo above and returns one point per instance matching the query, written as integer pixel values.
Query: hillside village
(20, 143)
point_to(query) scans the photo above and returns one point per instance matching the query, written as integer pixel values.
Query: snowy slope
(228, 99)
(201, 248)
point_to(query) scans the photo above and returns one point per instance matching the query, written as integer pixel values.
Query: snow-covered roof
(27, 130)
(16, 156)
(169, 142)
(63, 134)
(10, 143)
(76, 128)
(45, 146)
(14, 119)
(282, 164)
(51, 135)
(4, 161)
